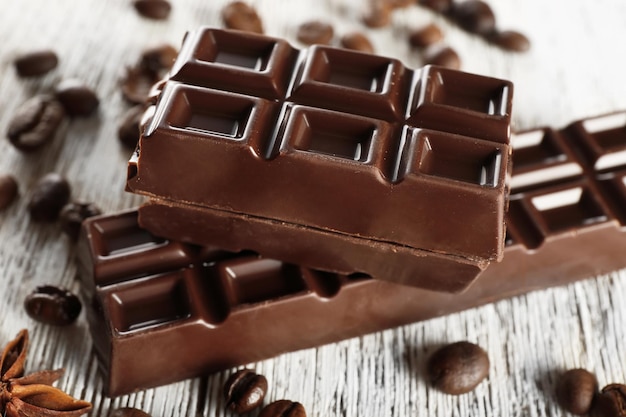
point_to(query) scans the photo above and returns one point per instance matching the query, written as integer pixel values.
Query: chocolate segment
(209, 310)
(332, 144)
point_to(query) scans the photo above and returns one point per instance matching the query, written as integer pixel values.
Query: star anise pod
(32, 395)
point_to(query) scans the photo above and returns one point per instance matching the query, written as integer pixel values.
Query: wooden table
(575, 69)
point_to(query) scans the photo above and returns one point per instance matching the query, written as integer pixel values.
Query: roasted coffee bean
(458, 368)
(378, 14)
(425, 36)
(158, 59)
(128, 129)
(35, 123)
(137, 83)
(8, 190)
(77, 98)
(510, 40)
(72, 216)
(357, 42)
(399, 4)
(475, 16)
(153, 9)
(128, 412)
(239, 15)
(443, 56)
(244, 391)
(575, 390)
(611, 402)
(36, 63)
(439, 6)
(283, 408)
(51, 193)
(52, 305)
(315, 32)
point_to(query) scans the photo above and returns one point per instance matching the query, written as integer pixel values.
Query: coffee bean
(128, 129)
(240, 16)
(153, 9)
(458, 368)
(8, 190)
(315, 32)
(52, 305)
(158, 59)
(51, 193)
(510, 40)
(137, 83)
(575, 390)
(283, 408)
(378, 14)
(35, 123)
(443, 56)
(475, 16)
(128, 412)
(244, 391)
(77, 98)
(439, 6)
(425, 36)
(357, 42)
(36, 63)
(400, 4)
(72, 216)
(611, 402)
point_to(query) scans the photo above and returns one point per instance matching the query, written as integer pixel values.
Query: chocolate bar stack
(301, 197)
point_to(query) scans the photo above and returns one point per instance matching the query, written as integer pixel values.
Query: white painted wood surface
(575, 69)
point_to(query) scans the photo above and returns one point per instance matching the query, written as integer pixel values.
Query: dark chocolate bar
(171, 311)
(345, 162)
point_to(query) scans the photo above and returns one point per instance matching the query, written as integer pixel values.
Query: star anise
(32, 395)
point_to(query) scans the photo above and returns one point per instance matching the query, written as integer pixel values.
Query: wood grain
(574, 70)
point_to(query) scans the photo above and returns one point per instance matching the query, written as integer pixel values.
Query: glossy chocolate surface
(208, 310)
(346, 144)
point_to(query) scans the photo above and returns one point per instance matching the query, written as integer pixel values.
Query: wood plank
(573, 71)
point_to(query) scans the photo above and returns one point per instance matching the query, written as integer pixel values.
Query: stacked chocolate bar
(303, 197)
(328, 158)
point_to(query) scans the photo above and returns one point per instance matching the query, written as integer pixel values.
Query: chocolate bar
(207, 309)
(343, 161)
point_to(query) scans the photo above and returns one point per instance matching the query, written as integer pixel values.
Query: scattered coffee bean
(357, 42)
(158, 59)
(128, 412)
(315, 32)
(611, 402)
(283, 408)
(8, 190)
(425, 36)
(244, 391)
(36, 63)
(443, 56)
(153, 9)
(575, 390)
(128, 129)
(458, 368)
(400, 4)
(72, 216)
(51, 193)
(475, 16)
(510, 40)
(137, 83)
(439, 6)
(52, 305)
(378, 14)
(77, 98)
(35, 122)
(239, 15)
